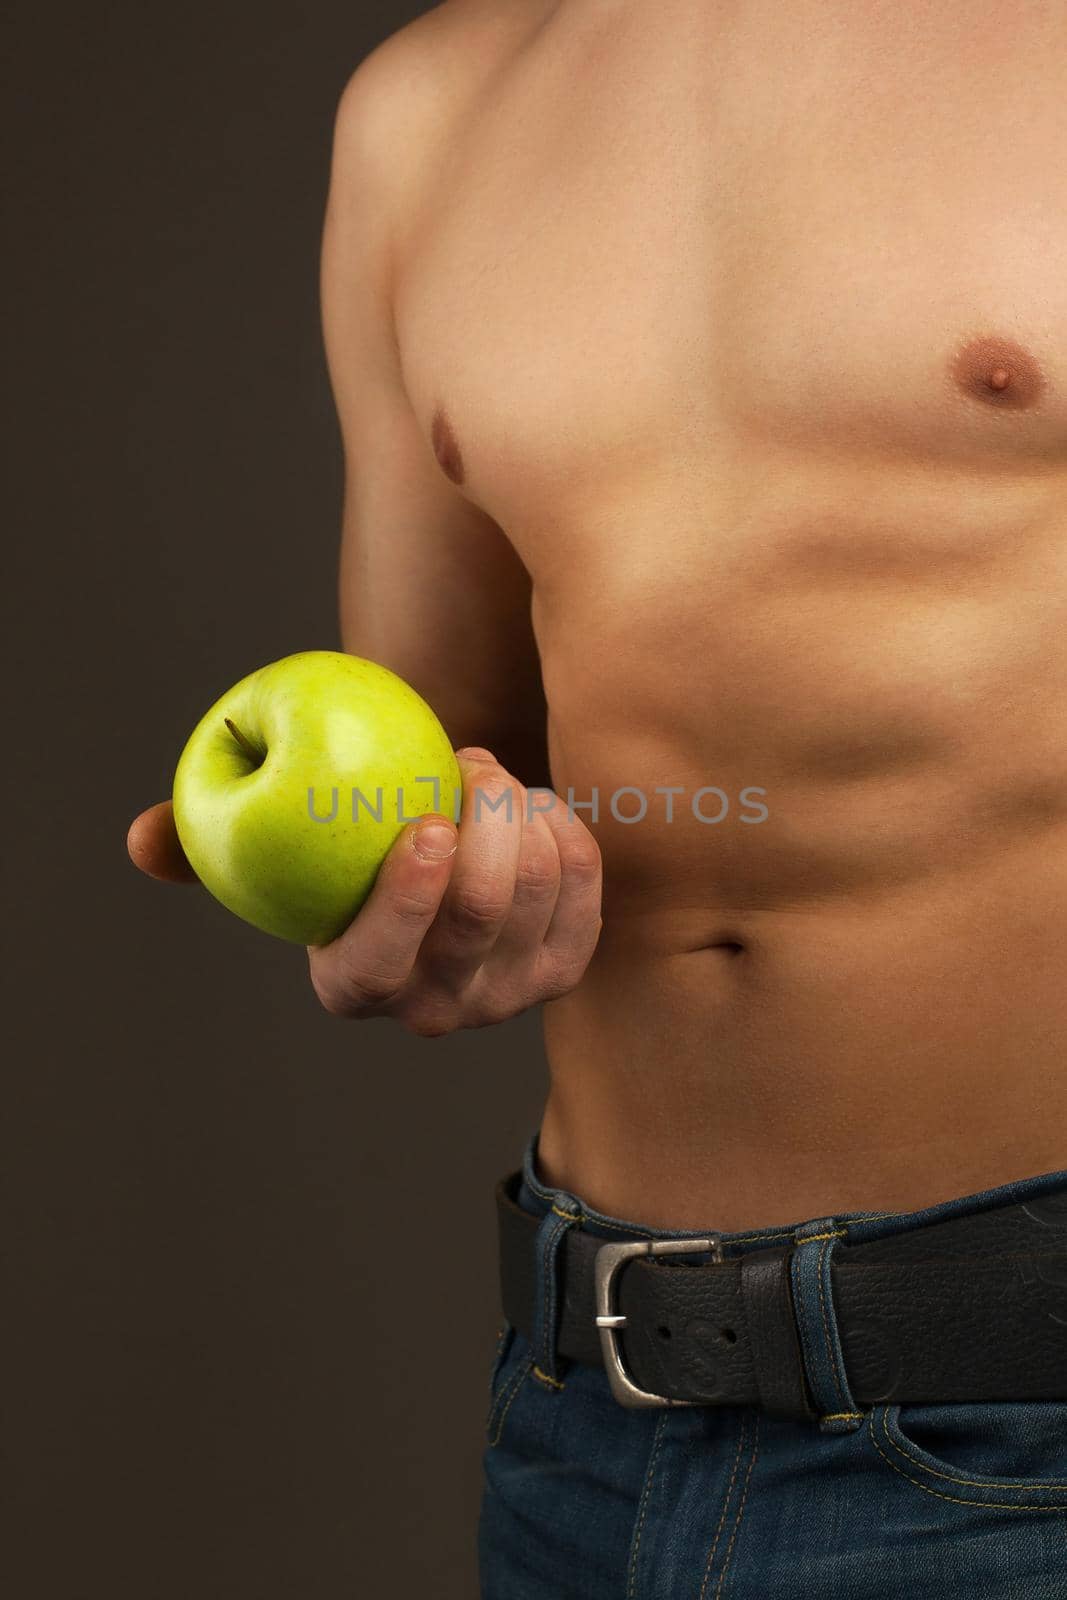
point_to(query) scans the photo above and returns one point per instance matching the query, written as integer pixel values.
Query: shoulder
(414, 86)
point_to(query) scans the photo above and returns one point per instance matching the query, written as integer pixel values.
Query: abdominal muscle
(857, 1001)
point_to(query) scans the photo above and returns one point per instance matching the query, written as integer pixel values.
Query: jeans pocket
(512, 1360)
(1009, 1455)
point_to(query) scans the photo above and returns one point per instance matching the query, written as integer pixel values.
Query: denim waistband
(1036, 1207)
(859, 1226)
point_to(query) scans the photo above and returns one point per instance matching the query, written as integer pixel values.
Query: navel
(445, 447)
(998, 371)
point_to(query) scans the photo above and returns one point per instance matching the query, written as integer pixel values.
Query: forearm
(499, 705)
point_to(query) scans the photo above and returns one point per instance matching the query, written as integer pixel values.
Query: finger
(537, 883)
(478, 900)
(573, 932)
(153, 845)
(368, 963)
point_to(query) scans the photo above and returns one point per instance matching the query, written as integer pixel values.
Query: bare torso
(749, 327)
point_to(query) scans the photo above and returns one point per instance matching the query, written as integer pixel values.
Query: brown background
(251, 1249)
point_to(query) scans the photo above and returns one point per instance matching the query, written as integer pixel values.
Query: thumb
(153, 846)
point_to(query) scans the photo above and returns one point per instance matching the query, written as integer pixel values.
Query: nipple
(999, 372)
(445, 447)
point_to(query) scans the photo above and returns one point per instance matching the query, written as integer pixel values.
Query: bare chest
(673, 240)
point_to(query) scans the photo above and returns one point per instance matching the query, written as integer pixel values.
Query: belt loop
(565, 1213)
(773, 1335)
(815, 1243)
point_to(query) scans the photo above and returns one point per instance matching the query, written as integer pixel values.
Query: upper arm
(429, 585)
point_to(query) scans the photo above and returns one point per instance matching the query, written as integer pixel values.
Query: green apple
(293, 787)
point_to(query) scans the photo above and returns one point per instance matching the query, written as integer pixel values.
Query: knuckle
(496, 785)
(409, 907)
(580, 857)
(348, 992)
(331, 996)
(562, 974)
(373, 988)
(489, 1009)
(496, 794)
(555, 985)
(345, 987)
(502, 994)
(477, 910)
(537, 875)
(332, 1002)
(426, 1021)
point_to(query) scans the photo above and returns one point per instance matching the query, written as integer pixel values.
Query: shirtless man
(702, 371)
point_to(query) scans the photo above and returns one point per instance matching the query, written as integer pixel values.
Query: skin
(716, 403)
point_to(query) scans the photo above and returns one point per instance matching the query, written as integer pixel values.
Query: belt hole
(664, 1333)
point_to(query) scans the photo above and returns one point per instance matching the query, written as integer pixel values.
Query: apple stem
(246, 745)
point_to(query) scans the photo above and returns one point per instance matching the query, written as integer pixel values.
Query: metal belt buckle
(609, 1258)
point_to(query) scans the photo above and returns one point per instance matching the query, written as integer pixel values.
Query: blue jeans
(587, 1499)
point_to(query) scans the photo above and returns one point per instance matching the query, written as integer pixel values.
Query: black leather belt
(985, 1318)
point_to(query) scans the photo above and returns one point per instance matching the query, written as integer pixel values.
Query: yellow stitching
(602, 1222)
(497, 1399)
(788, 1233)
(985, 1505)
(740, 1509)
(516, 1385)
(647, 1233)
(556, 1384)
(599, 1221)
(644, 1503)
(830, 1355)
(725, 1507)
(968, 1483)
(837, 1234)
(835, 1416)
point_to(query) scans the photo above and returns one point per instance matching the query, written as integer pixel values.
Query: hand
(469, 927)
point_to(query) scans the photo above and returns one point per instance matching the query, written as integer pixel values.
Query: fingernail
(435, 840)
(474, 752)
